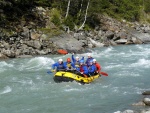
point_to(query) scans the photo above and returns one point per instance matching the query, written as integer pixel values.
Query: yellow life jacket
(69, 65)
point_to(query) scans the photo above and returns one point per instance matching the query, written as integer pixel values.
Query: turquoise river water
(25, 87)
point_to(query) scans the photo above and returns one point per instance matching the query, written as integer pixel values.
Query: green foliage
(14, 10)
(55, 16)
(69, 22)
(146, 5)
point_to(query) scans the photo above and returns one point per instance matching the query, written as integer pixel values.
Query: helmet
(77, 57)
(60, 60)
(68, 60)
(94, 60)
(89, 55)
(81, 61)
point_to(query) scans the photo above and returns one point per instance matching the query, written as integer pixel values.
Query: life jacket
(98, 67)
(81, 68)
(77, 64)
(92, 68)
(88, 61)
(69, 65)
(61, 66)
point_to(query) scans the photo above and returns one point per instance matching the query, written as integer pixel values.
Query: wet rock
(146, 93)
(147, 101)
(126, 111)
(145, 111)
(139, 104)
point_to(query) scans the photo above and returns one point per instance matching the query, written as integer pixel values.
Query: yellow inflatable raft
(62, 76)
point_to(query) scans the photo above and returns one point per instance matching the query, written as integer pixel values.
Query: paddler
(76, 61)
(83, 68)
(69, 64)
(98, 66)
(91, 68)
(88, 59)
(59, 66)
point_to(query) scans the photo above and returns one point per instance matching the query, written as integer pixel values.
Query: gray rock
(109, 34)
(2, 56)
(33, 43)
(66, 41)
(24, 56)
(121, 41)
(95, 43)
(113, 43)
(26, 32)
(129, 111)
(144, 37)
(35, 36)
(147, 101)
(146, 93)
(40, 52)
(139, 104)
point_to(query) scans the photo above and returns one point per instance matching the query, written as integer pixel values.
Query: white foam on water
(113, 66)
(7, 89)
(141, 63)
(37, 63)
(3, 63)
(127, 74)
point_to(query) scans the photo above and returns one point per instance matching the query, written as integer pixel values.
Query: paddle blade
(104, 73)
(49, 72)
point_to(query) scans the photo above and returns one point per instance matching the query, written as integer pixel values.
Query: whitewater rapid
(26, 86)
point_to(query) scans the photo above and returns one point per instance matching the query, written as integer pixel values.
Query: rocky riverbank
(42, 37)
(145, 102)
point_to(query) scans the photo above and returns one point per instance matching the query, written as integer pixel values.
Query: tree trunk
(80, 8)
(85, 16)
(67, 9)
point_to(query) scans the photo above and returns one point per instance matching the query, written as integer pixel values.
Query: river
(25, 87)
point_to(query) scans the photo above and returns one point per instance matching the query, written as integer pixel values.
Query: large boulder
(144, 37)
(67, 42)
(147, 101)
(95, 43)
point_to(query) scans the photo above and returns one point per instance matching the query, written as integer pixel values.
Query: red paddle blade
(104, 73)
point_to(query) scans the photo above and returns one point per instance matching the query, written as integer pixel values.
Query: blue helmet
(81, 61)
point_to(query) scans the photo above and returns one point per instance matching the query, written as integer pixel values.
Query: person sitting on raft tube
(58, 66)
(83, 68)
(97, 65)
(91, 68)
(69, 64)
(76, 60)
(88, 60)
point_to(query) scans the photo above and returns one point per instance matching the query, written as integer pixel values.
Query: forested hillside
(75, 13)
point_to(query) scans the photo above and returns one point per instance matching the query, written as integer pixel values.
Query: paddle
(82, 74)
(103, 73)
(49, 72)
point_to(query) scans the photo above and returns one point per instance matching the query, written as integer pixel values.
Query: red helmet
(68, 60)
